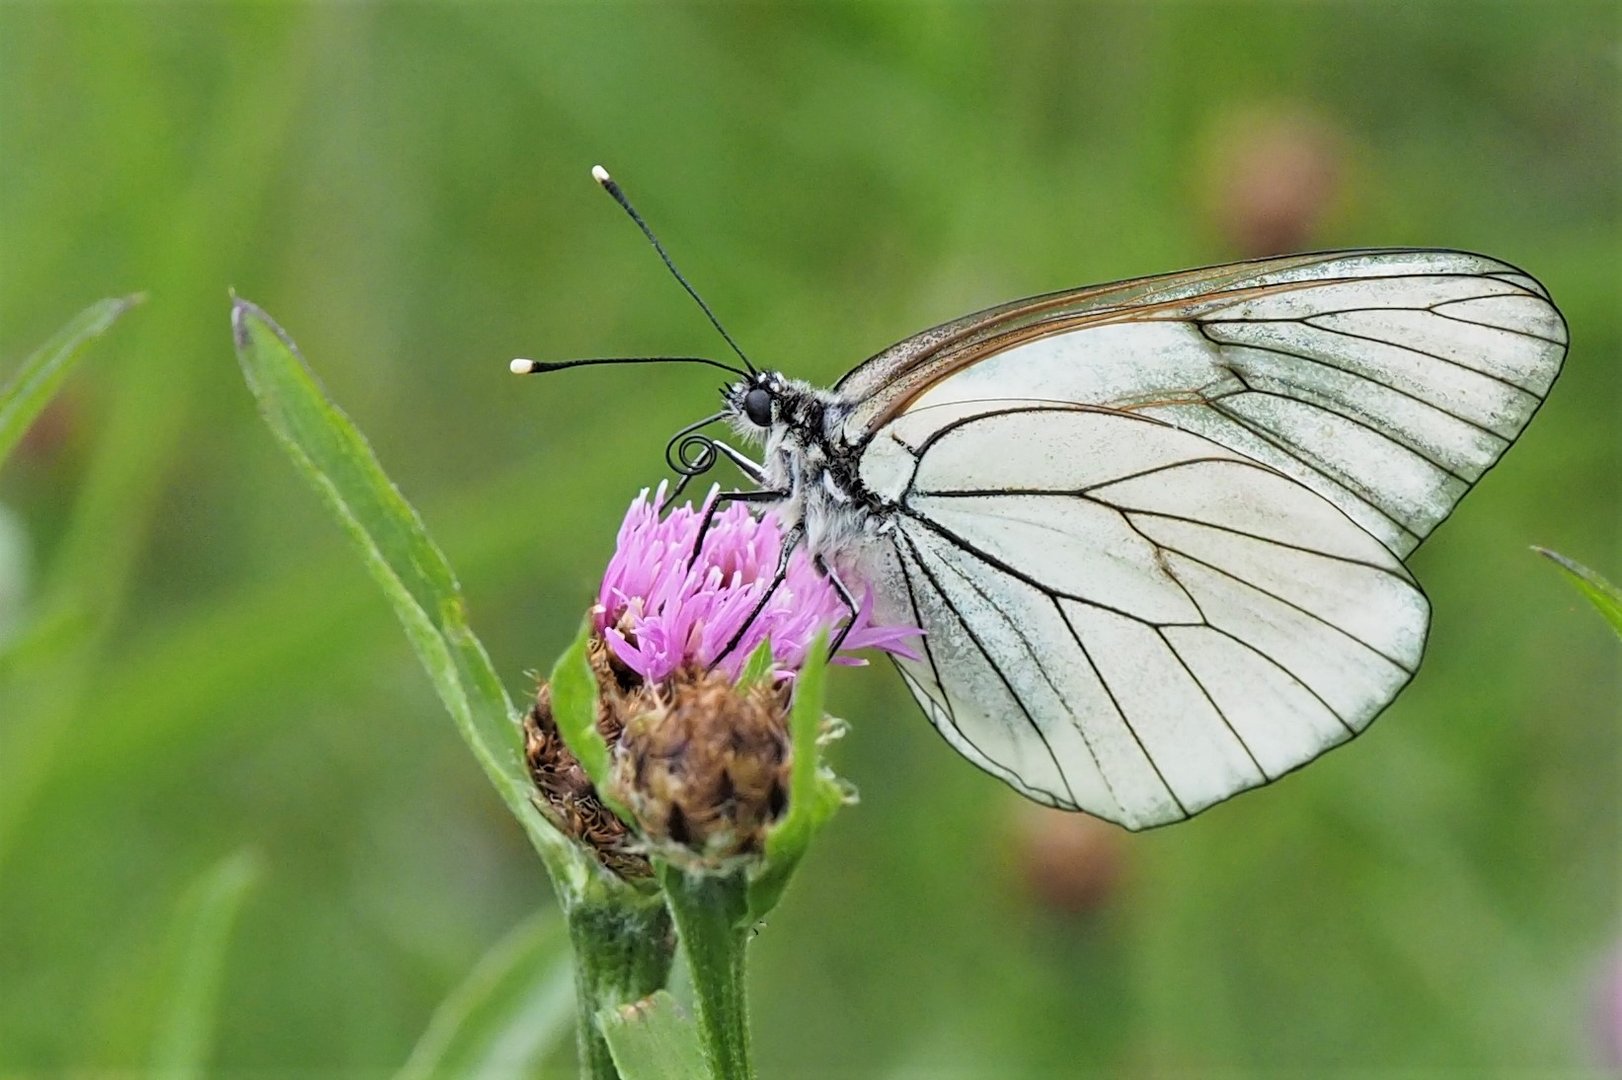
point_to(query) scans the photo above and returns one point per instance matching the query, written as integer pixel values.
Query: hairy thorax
(807, 459)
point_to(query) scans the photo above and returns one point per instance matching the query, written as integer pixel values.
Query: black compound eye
(757, 406)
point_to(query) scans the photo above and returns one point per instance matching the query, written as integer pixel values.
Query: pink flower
(660, 607)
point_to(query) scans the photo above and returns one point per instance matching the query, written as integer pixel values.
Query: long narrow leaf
(653, 1039)
(814, 794)
(196, 964)
(415, 576)
(1600, 592)
(512, 1011)
(32, 385)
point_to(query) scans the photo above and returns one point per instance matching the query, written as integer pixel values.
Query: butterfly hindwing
(1126, 618)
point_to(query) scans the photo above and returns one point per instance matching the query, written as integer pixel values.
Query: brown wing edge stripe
(970, 325)
(954, 331)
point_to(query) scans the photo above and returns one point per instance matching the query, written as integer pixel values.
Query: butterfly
(1153, 531)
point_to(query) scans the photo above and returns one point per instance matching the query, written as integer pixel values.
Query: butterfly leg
(790, 542)
(754, 470)
(844, 594)
(715, 507)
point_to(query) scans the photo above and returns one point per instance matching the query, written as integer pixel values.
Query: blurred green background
(406, 189)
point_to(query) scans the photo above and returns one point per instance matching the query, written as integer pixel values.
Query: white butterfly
(1153, 530)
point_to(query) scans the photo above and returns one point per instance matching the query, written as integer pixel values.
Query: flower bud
(703, 766)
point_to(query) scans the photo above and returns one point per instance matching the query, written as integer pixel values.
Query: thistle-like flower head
(664, 605)
(700, 757)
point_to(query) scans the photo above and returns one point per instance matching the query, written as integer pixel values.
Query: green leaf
(196, 962)
(574, 710)
(653, 1039)
(32, 385)
(394, 544)
(805, 724)
(814, 794)
(512, 1010)
(574, 707)
(1600, 592)
(757, 667)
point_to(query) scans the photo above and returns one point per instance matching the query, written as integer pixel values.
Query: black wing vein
(1325, 469)
(1115, 704)
(979, 646)
(1417, 351)
(1319, 361)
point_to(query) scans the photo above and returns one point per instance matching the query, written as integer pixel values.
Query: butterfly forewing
(1388, 381)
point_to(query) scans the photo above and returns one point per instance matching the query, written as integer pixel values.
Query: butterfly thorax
(807, 459)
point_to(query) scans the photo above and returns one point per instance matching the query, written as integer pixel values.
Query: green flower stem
(712, 918)
(623, 947)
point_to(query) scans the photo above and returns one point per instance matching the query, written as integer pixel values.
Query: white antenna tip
(600, 174)
(523, 367)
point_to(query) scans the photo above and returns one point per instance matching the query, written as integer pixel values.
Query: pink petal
(660, 607)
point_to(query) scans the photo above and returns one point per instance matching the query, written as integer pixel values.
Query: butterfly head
(755, 403)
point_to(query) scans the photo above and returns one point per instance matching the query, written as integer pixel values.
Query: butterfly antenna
(600, 174)
(522, 366)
